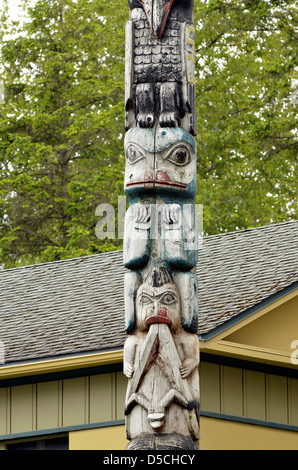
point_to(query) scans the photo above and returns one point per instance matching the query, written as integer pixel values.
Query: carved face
(158, 305)
(160, 158)
(157, 12)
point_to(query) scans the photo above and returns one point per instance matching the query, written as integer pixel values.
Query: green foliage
(247, 125)
(61, 127)
(62, 123)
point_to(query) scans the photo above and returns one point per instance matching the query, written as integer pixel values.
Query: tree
(61, 127)
(247, 127)
(62, 123)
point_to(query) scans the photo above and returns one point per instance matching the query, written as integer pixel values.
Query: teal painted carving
(160, 161)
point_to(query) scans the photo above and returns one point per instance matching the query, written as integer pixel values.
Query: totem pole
(161, 353)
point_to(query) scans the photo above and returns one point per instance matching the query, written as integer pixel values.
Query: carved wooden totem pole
(161, 353)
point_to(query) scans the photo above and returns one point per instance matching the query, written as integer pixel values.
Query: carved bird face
(160, 159)
(157, 12)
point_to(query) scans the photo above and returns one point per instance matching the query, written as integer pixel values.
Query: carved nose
(162, 176)
(162, 311)
(148, 176)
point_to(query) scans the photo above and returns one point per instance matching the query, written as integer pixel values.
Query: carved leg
(170, 112)
(145, 105)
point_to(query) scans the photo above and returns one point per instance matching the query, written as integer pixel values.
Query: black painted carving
(162, 62)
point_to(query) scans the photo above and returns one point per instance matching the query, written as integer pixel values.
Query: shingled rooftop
(76, 306)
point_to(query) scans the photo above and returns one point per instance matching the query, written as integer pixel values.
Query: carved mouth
(157, 420)
(173, 184)
(162, 179)
(157, 183)
(158, 319)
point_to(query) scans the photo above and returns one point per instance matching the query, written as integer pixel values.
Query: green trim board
(249, 365)
(248, 312)
(241, 419)
(67, 374)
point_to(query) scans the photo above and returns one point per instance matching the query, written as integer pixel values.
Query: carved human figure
(161, 356)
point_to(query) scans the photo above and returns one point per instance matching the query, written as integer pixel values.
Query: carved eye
(145, 299)
(179, 156)
(168, 298)
(133, 154)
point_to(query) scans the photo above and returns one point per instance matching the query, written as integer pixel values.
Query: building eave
(235, 320)
(55, 365)
(218, 341)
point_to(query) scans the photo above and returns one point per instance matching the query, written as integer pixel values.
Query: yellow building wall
(108, 438)
(216, 434)
(275, 330)
(249, 394)
(62, 403)
(100, 398)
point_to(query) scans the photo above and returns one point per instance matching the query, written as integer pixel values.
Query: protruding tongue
(157, 12)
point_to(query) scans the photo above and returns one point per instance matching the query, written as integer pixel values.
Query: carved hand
(187, 367)
(129, 370)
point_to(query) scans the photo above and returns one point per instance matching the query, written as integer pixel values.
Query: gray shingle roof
(76, 305)
(241, 269)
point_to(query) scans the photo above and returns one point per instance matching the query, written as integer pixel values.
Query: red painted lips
(162, 179)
